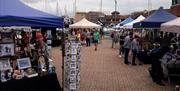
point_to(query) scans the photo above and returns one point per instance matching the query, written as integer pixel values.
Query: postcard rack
(72, 64)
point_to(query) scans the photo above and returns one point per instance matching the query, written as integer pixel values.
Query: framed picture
(49, 47)
(49, 35)
(5, 64)
(23, 63)
(7, 37)
(6, 50)
(49, 41)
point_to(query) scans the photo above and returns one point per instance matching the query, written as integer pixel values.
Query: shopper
(112, 38)
(96, 39)
(121, 43)
(127, 46)
(88, 38)
(135, 49)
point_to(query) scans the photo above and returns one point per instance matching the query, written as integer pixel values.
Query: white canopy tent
(84, 23)
(130, 25)
(171, 26)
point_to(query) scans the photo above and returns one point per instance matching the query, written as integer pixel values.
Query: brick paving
(103, 70)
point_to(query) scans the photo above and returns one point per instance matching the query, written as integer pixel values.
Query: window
(174, 2)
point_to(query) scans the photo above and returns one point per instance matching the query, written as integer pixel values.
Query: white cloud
(124, 6)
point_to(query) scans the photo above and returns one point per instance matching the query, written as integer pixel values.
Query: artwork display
(6, 37)
(18, 50)
(49, 41)
(5, 64)
(23, 63)
(49, 35)
(6, 50)
(72, 65)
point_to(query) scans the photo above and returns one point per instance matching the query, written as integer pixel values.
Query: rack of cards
(49, 41)
(72, 65)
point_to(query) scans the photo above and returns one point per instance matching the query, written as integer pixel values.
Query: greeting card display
(72, 65)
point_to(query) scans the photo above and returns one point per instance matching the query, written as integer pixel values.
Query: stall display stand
(7, 50)
(49, 42)
(72, 65)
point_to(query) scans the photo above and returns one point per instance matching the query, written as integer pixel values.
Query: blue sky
(123, 6)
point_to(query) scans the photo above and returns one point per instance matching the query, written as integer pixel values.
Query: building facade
(79, 16)
(175, 2)
(175, 8)
(94, 16)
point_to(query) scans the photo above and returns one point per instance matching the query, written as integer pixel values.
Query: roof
(16, 13)
(171, 26)
(156, 19)
(84, 23)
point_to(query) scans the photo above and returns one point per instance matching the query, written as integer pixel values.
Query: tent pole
(63, 55)
(141, 37)
(177, 41)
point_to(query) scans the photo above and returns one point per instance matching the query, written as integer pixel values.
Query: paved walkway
(103, 70)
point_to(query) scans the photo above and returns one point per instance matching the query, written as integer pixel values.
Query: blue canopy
(15, 13)
(128, 20)
(155, 20)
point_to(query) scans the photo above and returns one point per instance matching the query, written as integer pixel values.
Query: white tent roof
(171, 26)
(130, 25)
(84, 23)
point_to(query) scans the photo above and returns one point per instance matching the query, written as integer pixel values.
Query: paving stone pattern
(103, 70)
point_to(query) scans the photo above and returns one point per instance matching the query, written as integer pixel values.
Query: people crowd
(131, 43)
(88, 36)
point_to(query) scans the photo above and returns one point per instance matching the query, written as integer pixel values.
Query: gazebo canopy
(84, 23)
(128, 20)
(130, 25)
(155, 20)
(171, 26)
(16, 13)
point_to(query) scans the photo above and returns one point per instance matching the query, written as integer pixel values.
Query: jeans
(126, 54)
(134, 56)
(88, 42)
(121, 50)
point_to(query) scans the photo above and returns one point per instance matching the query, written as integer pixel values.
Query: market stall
(84, 23)
(16, 13)
(171, 66)
(130, 24)
(128, 20)
(171, 26)
(24, 55)
(155, 19)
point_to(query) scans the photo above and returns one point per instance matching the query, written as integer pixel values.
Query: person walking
(88, 37)
(96, 39)
(121, 43)
(135, 49)
(112, 38)
(127, 47)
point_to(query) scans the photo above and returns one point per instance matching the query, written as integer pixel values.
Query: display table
(144, 57)
(44, 83)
